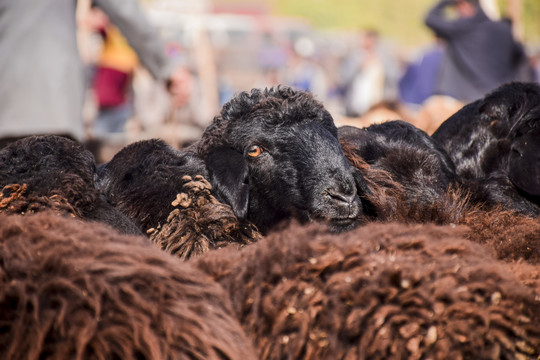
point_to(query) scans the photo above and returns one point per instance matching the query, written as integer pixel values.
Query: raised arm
(128, 17)
(439, 23)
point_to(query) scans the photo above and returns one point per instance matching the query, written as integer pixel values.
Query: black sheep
(495, 144)
(270, 154)
(411, 158)
(164, 191)
(273, 154)
(143, 179)
(53, 172)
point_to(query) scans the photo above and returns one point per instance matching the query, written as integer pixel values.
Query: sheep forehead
(280, 117)
(295, 133)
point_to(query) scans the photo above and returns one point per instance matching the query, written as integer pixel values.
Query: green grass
(402, 20)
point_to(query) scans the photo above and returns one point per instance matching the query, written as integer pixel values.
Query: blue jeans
(112, 120)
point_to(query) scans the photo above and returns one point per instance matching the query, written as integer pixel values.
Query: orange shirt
(116, 53)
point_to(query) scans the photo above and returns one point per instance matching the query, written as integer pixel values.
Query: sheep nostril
(346, 199)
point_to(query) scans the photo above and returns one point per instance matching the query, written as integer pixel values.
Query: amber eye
(254, 151)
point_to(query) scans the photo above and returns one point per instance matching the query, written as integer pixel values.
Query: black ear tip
(241, 201)
(361, 184)
(228, 175)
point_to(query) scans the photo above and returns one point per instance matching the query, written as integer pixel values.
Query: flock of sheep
(279, 236)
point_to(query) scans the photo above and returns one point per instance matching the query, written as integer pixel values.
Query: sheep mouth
(342, 221)
(342, 224)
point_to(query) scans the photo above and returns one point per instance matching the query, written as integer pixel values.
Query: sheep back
(14, 199)
(388, 199)
(71, 290)
(56, 173)
(51, 165)
(143, 179)
(408, 154)
(378, 292)
(512, 236)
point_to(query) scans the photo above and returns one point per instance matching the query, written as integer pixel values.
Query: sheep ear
(364, 192)
(361, 184)
(228, 175)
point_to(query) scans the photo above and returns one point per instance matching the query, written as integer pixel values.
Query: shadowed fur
(408, 154)
(56, 167)
(494, 144)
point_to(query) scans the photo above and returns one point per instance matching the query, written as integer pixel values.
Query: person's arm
(127, 16)
(437, 21)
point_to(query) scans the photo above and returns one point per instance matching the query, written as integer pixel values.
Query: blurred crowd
(361, 76)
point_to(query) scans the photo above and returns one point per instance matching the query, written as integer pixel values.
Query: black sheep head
(54, 165)
(408, 154)
(516, 107)
(273, 154)
(143, 178)
(51, 165)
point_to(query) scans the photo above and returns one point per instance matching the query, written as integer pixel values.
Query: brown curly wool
(14, 199)
(383, 291)
(385, 194)
(74, 290)
(511, 235)
(199, 223)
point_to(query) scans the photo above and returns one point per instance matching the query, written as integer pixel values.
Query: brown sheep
(512, 236)
(73, 290)
(383, 291)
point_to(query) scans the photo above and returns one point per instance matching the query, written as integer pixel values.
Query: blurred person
(41, 74)
(418, 82)
(272, 57)
(112, 80)
(302, 71)
(365, 73)
(480, 54)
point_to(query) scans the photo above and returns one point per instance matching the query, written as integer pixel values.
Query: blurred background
(230, 46)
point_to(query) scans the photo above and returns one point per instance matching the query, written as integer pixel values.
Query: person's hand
(179, 86)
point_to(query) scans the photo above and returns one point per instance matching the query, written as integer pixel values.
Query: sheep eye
(254, 151)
